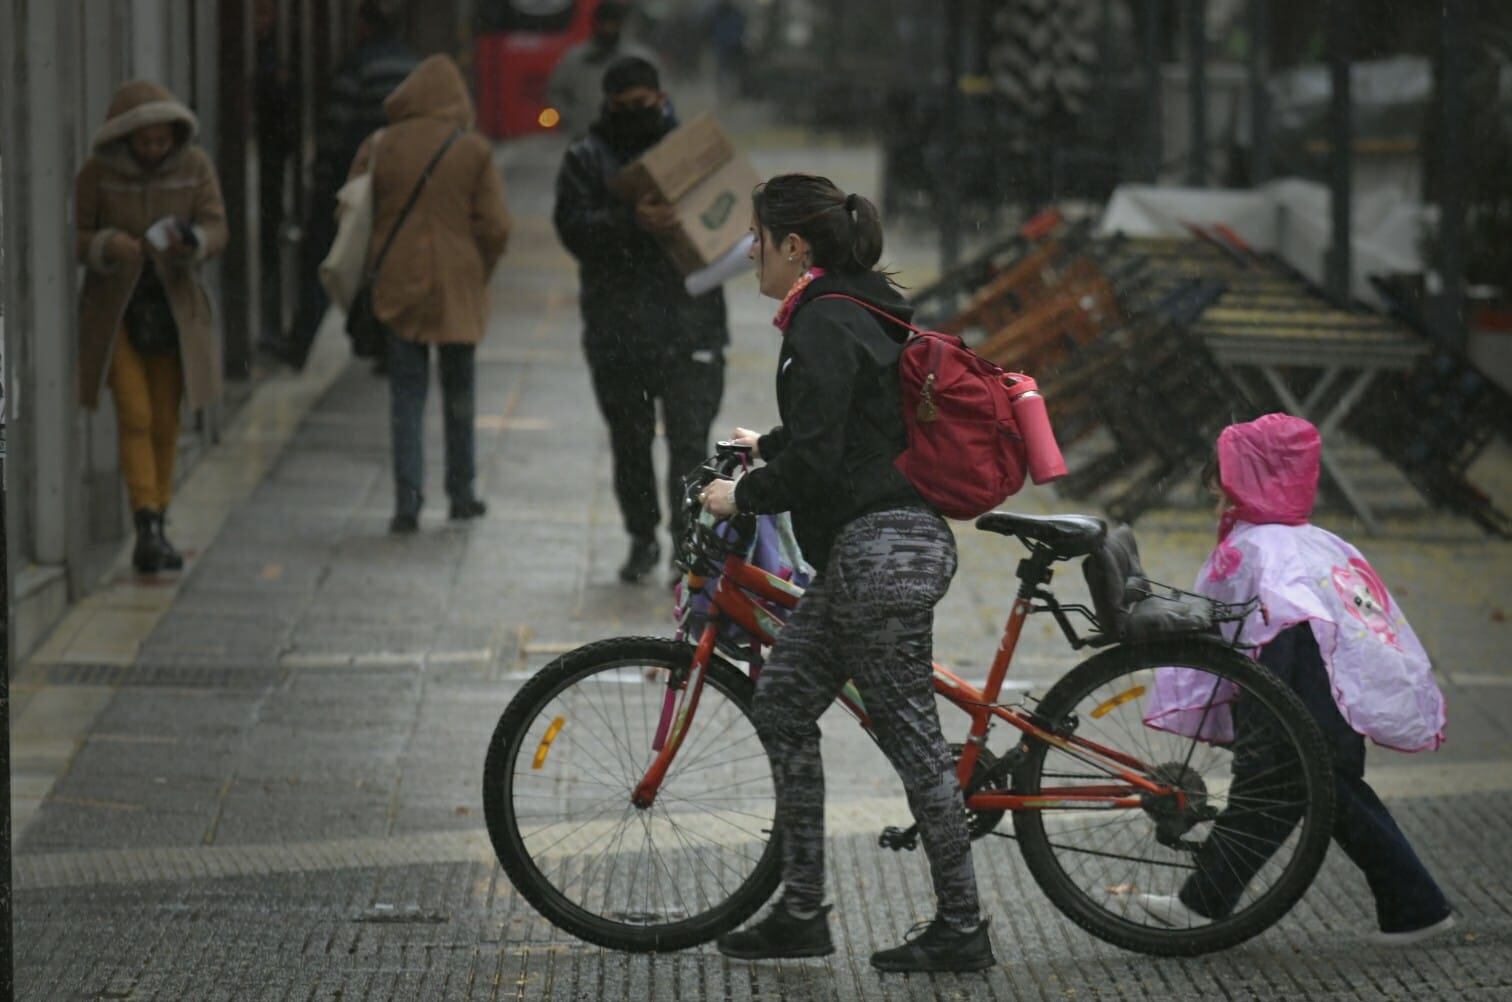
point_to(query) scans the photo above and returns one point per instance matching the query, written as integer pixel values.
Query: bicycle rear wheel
(564, 759)
(1244, 837)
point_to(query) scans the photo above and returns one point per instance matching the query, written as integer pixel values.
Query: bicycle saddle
(1066, 535)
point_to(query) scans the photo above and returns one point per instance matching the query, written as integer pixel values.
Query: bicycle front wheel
(568, 752)
(1233, 844)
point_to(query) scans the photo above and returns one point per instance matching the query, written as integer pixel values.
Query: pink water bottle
(1045, 460)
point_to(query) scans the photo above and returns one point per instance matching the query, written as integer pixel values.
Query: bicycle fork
(675, 721)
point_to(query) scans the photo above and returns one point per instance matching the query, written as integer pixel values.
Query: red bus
(518, 45)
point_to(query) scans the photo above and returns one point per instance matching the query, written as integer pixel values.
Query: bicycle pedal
(895, 838)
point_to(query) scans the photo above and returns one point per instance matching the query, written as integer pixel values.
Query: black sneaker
(935, 946)
(780, 934)
(404, 525)
(645, 553)
(466, 509)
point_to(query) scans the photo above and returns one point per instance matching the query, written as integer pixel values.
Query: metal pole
(950, 128)
(7, 915)
(1197, 91)
(1259, 57)
(1106, 81)
(11, 20)
(1153, 142)
(1449, 312)
(1341, 135)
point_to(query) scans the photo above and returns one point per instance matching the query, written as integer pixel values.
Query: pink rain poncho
(1381, 677)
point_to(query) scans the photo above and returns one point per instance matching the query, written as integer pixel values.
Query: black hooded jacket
(632, 297)
(831, 459)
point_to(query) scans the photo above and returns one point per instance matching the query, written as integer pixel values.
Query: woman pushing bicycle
(884, 560)
(657, 810)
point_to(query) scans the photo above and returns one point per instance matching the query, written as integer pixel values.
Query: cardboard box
(697, 170)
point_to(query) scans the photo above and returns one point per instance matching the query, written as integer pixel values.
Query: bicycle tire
(1039, 855)
(505, 747)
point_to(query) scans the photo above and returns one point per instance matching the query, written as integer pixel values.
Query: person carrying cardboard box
(644, 337)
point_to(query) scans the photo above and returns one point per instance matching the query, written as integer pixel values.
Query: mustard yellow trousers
(147, 390)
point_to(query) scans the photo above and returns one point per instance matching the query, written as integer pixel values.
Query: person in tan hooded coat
(433, 287)
(146, 167)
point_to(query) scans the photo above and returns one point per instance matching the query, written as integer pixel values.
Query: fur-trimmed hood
(135, 105)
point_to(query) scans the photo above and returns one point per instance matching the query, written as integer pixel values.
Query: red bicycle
(630, 800)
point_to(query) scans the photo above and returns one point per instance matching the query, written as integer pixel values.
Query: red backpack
(973, 429)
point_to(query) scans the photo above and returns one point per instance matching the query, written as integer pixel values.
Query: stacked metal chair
(1125, 337)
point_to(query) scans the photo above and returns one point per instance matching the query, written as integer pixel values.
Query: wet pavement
(262, 780)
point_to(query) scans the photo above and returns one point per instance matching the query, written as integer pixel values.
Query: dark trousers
(409, 383)
(310, 310)
(269, 243)
(689, 388)
(1244, 838)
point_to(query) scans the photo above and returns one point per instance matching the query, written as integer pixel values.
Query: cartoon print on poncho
(1381, 676)
(1366, 598)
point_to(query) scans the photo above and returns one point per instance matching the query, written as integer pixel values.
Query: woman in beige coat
(433, 288)
(148, 213)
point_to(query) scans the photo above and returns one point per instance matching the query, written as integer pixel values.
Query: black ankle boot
(467, 508)
(780, 934)
(938, 947)
(407, 505)
(645, 552)
(147, 557)
(171, 559)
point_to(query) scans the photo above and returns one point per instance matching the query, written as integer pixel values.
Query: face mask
(635, 129)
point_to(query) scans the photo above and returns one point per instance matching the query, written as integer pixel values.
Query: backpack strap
(879, 311)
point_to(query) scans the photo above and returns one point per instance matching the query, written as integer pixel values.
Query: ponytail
(844, 232)
(865, 232)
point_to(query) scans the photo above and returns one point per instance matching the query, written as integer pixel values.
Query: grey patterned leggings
(869, 618)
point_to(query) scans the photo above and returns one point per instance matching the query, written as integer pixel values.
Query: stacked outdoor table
(1146, 348)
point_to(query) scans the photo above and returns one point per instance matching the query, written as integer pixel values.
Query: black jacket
(354, 109)
(831, 459)
(633, 301)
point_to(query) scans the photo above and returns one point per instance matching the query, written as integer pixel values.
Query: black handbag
(149, 323)
(369, 334)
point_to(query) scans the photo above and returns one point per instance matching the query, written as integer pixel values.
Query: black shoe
(935, 946)
(645, 553)
(147, 555)
(780, 934)
(168, 554)
(404, 525)
(281, 349)
(461, 511)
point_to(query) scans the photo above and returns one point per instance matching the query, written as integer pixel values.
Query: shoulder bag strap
(881, 313)
(414, 196)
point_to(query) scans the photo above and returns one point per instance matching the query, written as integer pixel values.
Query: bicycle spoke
(1244, 800)
(704, 837)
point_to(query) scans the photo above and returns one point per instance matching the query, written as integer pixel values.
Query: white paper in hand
(160, 233)
(733, 262)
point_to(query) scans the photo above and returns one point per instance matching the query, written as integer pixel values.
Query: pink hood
(1269, 468)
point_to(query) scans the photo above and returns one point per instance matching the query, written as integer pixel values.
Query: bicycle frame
(742, 597)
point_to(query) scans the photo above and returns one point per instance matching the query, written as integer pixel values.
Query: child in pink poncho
(1332, 632)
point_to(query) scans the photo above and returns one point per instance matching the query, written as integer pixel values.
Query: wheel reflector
(545, 746)
(1108, 706)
